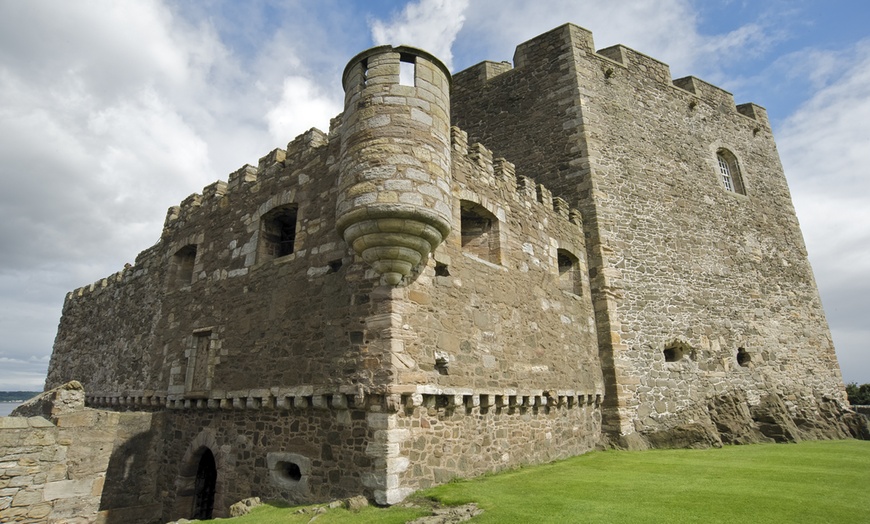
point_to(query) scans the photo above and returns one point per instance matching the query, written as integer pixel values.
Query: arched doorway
(204, 487)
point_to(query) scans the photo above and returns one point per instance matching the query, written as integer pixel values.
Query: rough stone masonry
(469, 272)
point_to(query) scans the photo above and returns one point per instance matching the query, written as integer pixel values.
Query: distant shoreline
(8, 406)
(17, 395)
(9, 400)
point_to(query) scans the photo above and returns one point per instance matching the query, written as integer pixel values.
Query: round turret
(394, 182)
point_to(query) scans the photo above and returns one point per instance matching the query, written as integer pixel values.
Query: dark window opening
(442, 363)
(407, 69)
(441, 270)
(278, 233)
(479, 232)
(334, 265)
(677, 351)
(365, 71)
(743, 357)
(569, 273)
(289, 471)
(204, 488)
(185, 259)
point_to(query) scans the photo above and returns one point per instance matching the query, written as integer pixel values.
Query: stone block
(65, 489)
(26, 497)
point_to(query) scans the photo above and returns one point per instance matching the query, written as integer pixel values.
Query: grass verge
(824, 482)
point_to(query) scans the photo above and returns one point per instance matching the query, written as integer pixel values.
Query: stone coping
(400, 397)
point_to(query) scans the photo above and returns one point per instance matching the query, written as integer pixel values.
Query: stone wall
(72, 466)
(510, 317)
(440, 439)
(677, 262)
(254, 447)
(243, 320)
(258, 356)
(720, 278)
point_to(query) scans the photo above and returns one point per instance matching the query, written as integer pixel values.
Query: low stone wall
(54, 454)
(437, 443)
(54, 469)
(864, 410)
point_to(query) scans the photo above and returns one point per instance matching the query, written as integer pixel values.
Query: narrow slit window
(198, 364)
(407, 70)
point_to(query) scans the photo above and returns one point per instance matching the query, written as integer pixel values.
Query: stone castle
(470, 272)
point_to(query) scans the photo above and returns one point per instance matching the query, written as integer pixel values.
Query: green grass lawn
(824, 482)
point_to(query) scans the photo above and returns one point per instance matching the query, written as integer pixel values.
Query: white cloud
(825, 147)
(110, 113)
(431, 25)
(303, 105)
(98, 137)
(663, 29)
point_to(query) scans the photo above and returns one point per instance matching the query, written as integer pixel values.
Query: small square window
(277, 233)
(569, 272)
(184, 261)
(479, 230)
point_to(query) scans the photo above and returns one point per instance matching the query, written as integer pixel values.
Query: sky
(111, 112)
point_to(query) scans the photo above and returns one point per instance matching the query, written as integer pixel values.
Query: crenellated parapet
(637, 63)
(128, 274)
(500, 174)
(613, 60)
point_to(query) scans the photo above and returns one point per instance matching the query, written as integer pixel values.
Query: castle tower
(395, 158)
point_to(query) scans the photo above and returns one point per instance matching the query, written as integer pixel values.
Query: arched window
(730, 171)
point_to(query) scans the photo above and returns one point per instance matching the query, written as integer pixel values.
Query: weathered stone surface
(693, 435)
(64, 399)
(733, 419)
(243, 507)
(57, 473)
(356, 503)
(681, 268)
(450, 515)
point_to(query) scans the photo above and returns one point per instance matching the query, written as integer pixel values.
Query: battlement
(640, 64)
(482, 72)
(572, 43)
(297, 152)
(501, 174)
(122, 277)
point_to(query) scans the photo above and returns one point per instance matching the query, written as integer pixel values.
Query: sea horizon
(6, 407)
